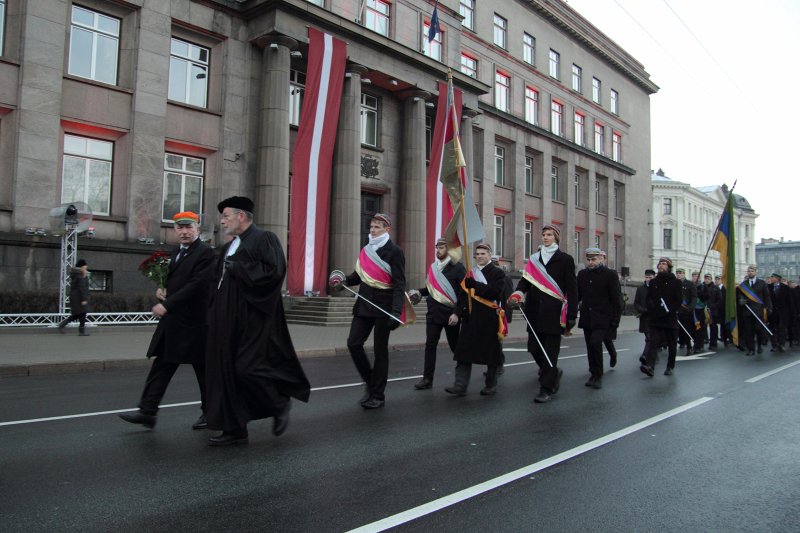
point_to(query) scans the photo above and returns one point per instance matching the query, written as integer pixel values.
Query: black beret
(237, 202)
(80, 263)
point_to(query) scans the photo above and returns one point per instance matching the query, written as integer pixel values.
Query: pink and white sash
(377, 273)
(537, 276)
(439, 287)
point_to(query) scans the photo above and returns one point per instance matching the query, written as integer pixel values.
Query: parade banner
(312, 164)
(725, 243)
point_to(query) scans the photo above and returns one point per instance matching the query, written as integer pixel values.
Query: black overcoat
(600, 298)
(78, 292)
(390, 300)
(761, 290)
(544, 311)
(669, 288)
(439, 313)
(477, 341)
(640, 306)
(249, 351)
(180, 336)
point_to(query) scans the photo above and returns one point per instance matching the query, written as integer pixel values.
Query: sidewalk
(35, 351)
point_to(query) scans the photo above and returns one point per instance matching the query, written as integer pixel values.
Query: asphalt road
(703, 450)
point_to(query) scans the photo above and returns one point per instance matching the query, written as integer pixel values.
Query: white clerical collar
(233, 247)
(377, 242)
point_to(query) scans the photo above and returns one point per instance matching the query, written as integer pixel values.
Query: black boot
(82, 332)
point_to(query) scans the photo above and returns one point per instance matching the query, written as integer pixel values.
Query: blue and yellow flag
(725, 244)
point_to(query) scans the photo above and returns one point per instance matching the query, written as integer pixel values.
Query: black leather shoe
(148, 421)
(456, 391)
(366, 395)
(281, 421)
(423, 384)
(489, 391)
(227, 438)
(613, 362)
(373, 403)
(597, 383)
(201, 423)
(668, 372)
(642, 359)
(542, 397)
(647, 370)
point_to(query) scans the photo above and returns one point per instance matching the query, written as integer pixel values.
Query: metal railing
(45, 320)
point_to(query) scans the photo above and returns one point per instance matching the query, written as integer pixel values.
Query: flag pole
(713, 237)
(460, 164)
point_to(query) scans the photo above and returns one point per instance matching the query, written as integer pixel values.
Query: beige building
(685, 220)
(141, 108)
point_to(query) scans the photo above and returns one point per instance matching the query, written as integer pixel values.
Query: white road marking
(767, 374)
(486, 486)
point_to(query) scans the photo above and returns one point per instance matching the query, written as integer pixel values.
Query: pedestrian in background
(78, 297)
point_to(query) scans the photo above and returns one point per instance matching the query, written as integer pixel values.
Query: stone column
(411, 217)
(272, 174)
(346, 183)
(467, 144)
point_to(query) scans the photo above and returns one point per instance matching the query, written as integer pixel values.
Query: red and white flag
(312, 163)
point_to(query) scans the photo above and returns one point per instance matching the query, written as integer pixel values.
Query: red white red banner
(312, 164)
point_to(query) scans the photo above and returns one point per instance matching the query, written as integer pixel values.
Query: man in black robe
(180, 336)
(478, 340)
(444, 304)
(686, 310)
(252, 369)
(640, 307)
(382, 280)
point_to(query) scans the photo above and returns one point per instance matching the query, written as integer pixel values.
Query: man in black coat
(699, 331)
(551, 307)
(753, 300)
(479, 338)
(380, 271)
(78, 297)
(724, 334)
(180, 337)
(252, 370)
(640, 307)
(664, 297)
(601, 305)
(713, 298)
(445, 299)
(782, 311)
(686, 310)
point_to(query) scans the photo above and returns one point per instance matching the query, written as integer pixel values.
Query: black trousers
(686, 321)
(80, 317)
(464, 371)
(377, 374)
(779, 330)
(594, 349)
(713, 331)
(751, 331)
(433, 332)
(159, 377)
(661, 337)
(548, 377)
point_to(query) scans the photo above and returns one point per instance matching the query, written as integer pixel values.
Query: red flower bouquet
(155, 268)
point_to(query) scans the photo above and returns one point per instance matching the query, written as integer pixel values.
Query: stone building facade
(685, 219)
(142, 107)
(778, 256)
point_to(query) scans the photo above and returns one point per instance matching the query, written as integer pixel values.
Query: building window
(320, 3)
(597, 197)
(528, 239)
(599, 138)
(100, 280)
(532, 106)
(469, 66)
(576, 243)
(667, 206)
(555, 64)
(499, 165)
(667, 242)
(183, 185)
(188, 73)
(614, 100)
(747, 231)
(466, 8)
(619, 201)
(499, 225)
(596, 90)
(528, 174)
(376, 16)
(597, 241)
(500, 28)
(577, 189)
(297, 85)
(746, 254)
(556, 114)
(428, 136)
(616, 146)
(579, 128)
(555, 192)
(529, 48)
(577, 78)
(93, 45)
(502, 89)
(2, 25)
(432, 49)
(86, 173)
(369, 120)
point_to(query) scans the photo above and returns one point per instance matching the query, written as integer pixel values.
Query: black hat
(80, 262)
(241, 203)
(649, 272)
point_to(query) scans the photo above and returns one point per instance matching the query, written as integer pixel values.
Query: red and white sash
(377, 273)
(439, 287)
(537, 275)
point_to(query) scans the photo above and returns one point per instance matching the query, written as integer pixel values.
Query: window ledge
(87, 81)
(194, 107)
(372, 148)
(110, 218)
(506, 187)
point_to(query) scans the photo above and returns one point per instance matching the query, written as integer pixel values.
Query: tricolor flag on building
(312, 164)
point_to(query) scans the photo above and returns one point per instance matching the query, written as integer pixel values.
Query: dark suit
(544, 313)
(180, 336)
(749, 327)
(686, 313)
(366, 317)
(601, 304)
(713, 298)
(438, 315)
(640, 307)
(783, 312)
